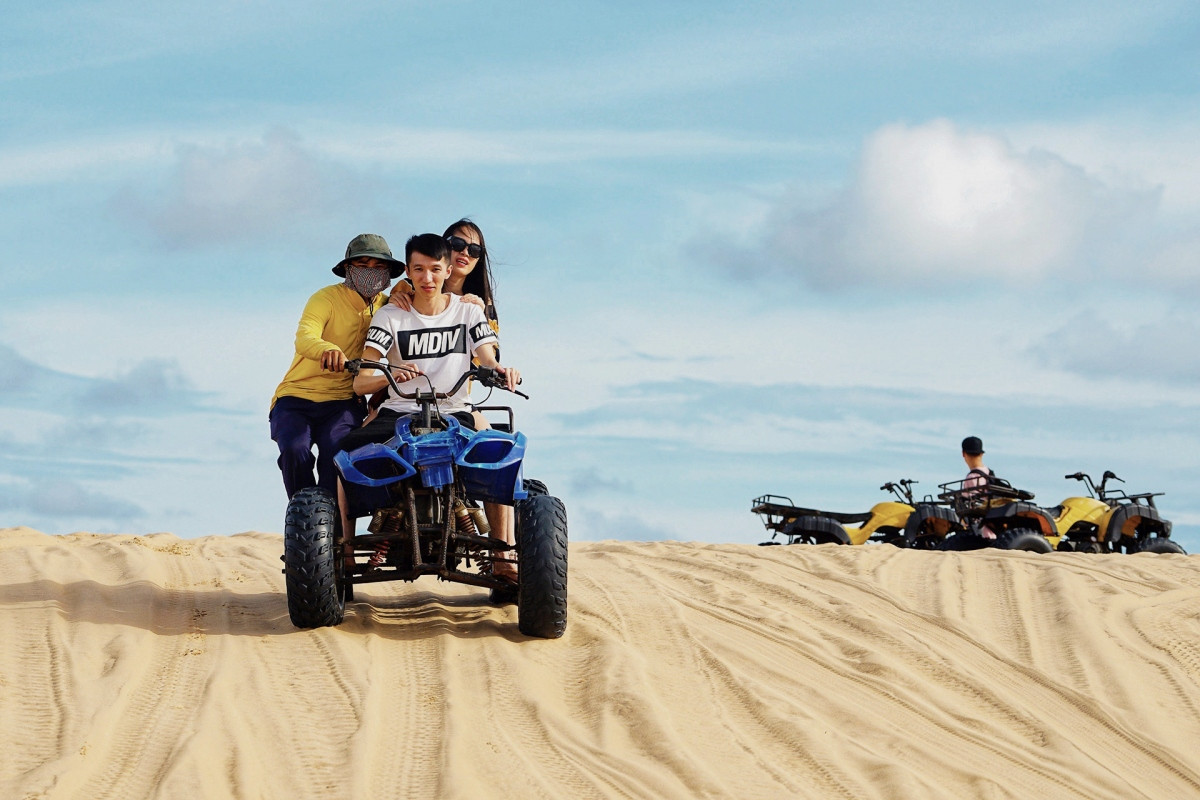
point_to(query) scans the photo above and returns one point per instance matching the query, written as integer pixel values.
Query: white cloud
(57, 499)
(154, 385)
(671, 57)
(232, 177)
(242, 191)
(72, 161)
(233, 362)
(1159, 150)
(53, 38)
(399, 146)
(1176, 262)
(1160, 349)
(934, 205)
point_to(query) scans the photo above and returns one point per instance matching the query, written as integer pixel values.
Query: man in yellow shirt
(315, 403)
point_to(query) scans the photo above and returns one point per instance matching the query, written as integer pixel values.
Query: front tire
(1158, 544)
(542, 567)
(312, 559)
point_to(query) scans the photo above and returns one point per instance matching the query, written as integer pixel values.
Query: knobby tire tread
(542, 567)
(309, 555)
(1023, 539)
(1158, 544)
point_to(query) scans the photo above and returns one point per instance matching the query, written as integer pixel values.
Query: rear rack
(776, 515)
(973, 500)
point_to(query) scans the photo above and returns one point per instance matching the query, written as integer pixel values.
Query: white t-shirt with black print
(441, 345)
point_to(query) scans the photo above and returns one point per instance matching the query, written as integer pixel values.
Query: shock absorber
(480, 519)
(463, 520)
(379, 556)
(471, 520)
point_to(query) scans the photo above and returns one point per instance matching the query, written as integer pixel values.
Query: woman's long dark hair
(479, 282)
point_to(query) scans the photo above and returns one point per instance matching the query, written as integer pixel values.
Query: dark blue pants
(297, 425)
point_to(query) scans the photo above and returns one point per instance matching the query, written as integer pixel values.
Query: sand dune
(160, 667)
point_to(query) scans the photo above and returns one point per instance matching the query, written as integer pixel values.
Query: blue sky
(740, 248)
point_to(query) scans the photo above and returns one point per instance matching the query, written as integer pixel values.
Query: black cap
(973, 446)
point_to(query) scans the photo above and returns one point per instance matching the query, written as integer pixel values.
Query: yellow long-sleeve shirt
(336, 316)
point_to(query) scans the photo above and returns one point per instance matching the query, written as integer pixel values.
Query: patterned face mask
(367, 281)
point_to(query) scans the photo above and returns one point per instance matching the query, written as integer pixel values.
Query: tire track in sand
(671, 586)
(39, 707)
(865, 635)
(150, 716)
(404, 702)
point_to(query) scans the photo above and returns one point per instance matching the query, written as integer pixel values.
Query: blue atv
(421, 490)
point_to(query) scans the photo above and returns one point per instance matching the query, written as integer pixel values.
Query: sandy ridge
(159, 667)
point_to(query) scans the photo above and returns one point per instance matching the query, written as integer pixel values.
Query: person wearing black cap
(972, 450)
(972, 453)
(315, 402)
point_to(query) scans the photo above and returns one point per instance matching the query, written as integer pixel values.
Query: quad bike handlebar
(901, 488)
(486, 375)
(1102, 493)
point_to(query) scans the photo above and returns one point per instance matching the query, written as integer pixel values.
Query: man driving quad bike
(437, 338)
(991, 512)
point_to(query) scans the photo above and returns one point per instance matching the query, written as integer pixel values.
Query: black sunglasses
(458, 244)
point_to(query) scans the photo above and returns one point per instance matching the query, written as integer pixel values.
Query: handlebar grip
(491, 377)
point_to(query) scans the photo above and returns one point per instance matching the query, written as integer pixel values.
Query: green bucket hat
(369, 245)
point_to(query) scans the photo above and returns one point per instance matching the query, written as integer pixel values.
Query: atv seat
(847, 518)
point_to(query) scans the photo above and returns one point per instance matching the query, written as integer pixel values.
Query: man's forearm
(486, 353)
(369, 384)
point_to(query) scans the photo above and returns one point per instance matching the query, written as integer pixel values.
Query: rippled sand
(163, 667)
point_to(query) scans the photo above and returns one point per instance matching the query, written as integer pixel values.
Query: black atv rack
(974, 501)
(776, 515)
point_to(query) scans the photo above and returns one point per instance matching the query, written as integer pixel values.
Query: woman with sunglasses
(470, 272)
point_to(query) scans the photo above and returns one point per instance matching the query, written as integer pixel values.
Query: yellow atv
(995, 514)
(895, 522)
(1109, 520)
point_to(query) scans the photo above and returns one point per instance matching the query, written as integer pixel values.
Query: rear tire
(542, 567)
(1023, 539)
(312, 558)
(1158, 544)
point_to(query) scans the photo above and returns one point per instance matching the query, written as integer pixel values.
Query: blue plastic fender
(347, 464)
(490, 467)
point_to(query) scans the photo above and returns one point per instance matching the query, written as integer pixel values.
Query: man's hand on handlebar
(333, 360)
(405, 372)
(512, 377)
(500, 378)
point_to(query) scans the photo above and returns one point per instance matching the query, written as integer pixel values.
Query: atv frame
(421, 490)
(997, 507)
(1109, 520)
(902, 522)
